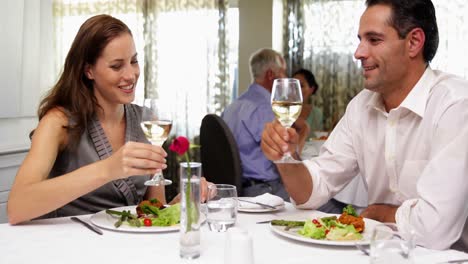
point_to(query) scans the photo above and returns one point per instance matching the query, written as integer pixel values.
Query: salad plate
(292, 233)
(106, 221)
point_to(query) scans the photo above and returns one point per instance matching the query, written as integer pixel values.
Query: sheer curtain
(25, 46)
(321, 35)
(187, 59)
(26, 68)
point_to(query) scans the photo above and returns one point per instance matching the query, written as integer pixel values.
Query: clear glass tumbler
(390, 245)
(222, 207)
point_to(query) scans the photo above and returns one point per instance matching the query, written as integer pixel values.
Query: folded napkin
(423, 255)
(265, 198)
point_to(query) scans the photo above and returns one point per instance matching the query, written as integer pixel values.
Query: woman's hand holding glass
(136, 158)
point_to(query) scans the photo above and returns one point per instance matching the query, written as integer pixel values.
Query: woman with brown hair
(88, 152)
(312, 114)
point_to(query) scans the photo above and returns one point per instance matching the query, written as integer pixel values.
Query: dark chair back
(219, 153)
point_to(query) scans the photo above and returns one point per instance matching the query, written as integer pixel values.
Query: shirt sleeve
(438, 215)
(335, 167)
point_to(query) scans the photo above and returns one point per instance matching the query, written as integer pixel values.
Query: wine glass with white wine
(156, 124)
(286, 102)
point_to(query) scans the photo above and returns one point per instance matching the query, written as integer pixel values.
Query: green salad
(348, 227)
(152, 216)
(329, 228)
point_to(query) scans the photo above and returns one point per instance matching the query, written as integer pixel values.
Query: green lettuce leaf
(168, 216)
(348, 232)
(312, 231)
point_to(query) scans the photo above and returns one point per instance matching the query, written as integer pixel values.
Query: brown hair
(74, 91)
(410, 14)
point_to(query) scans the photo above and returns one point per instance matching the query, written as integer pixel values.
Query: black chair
(219, 153)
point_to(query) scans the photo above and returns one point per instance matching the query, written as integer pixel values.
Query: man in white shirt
(406, 133)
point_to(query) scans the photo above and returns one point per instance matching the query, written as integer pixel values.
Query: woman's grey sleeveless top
(94, 146)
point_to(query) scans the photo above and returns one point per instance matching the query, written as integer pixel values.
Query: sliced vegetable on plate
(348, 226)
(148, 213)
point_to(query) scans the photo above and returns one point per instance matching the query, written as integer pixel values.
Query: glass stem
(157, 177)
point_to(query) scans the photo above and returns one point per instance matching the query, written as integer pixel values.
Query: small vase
(190, 210)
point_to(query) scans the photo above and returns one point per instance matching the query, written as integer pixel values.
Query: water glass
(222, 207)
(391, 246)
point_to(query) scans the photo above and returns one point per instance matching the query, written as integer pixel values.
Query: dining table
(61, 240)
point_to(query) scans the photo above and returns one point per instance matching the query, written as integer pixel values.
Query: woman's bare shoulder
(57, 116)
(53, 127)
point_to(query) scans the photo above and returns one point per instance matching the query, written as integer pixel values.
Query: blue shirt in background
(246, 117)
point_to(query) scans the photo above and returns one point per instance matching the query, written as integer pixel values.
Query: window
(187, 64)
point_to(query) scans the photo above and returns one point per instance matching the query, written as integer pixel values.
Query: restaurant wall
(260, 24)
(25, 30)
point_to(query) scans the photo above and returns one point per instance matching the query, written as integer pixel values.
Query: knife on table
(257, 203)
(90, 227)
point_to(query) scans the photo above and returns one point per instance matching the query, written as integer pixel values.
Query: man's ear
(269, 74)
(416, 39)
(88, 72)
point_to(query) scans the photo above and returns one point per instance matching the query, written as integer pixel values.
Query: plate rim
(346, 243)
(95, 220)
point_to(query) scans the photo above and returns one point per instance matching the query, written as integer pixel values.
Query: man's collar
(415, 101)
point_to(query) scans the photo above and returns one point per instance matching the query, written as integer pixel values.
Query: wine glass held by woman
(88, 152)
(156, 124)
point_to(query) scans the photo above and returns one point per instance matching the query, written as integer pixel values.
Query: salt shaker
(238, 247)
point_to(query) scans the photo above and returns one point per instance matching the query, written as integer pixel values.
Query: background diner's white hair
(262, 60)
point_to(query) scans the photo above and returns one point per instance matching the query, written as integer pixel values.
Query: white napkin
(265, 198)
(423, 255)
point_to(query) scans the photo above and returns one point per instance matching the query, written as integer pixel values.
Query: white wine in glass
(286, 112)
(157, 131)
(156, 125)
(286, 103)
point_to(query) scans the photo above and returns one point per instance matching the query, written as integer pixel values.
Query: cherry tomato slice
(147, 222)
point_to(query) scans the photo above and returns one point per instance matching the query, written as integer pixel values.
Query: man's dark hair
(410, 14)
(309, 77)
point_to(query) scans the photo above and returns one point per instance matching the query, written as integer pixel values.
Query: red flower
(180, 145)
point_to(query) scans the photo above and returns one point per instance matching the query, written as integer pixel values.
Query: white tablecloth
(61, 240)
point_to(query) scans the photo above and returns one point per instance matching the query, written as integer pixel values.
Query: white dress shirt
(415, 157)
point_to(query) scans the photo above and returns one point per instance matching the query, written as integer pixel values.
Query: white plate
(106, 221)
(258, 209)
(292, 233)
